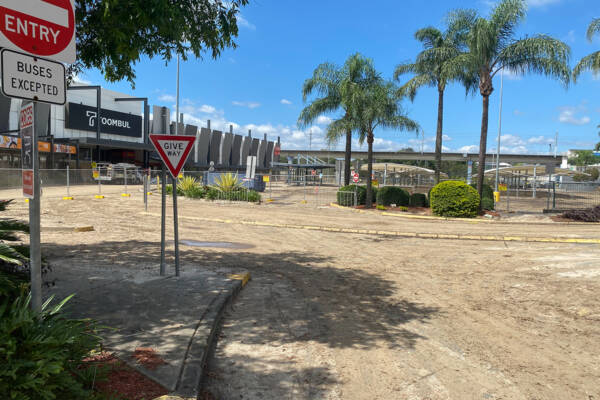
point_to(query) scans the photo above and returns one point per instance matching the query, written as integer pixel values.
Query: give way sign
(44, 28)
(173, 150)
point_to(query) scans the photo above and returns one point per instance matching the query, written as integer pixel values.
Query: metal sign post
(163, 205)
(31, 190)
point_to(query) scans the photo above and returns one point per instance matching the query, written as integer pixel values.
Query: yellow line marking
(84, 229)
(99, 196)
(421, 235)
(126, 194)
(68, 198)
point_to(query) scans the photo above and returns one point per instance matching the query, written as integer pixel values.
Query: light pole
(499, 129)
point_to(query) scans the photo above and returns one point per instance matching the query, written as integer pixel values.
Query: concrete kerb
(420, 235)
(472, 221)
(190, 381)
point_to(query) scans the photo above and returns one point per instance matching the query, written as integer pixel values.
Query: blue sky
(257, 86)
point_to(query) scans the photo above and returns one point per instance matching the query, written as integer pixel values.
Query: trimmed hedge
(487, 204)
(454, 199)
(418, 200)
(388, 195)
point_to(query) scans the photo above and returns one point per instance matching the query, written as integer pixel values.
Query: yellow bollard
(497, 197)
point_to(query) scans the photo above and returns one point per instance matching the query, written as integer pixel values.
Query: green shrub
(403, 208)
(454, 199)
(418, 200)
(487, 192)
(253, 196)
(194, 192)
(380, 207)
(388, 195)
(169, 190)
(487, 203)
(487, 198)
(40, 352)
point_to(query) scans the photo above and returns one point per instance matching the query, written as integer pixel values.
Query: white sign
(39, 27)
(251, 167)
(32, 78)
(173, 150)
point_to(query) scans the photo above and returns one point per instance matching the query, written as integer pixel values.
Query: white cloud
(244, 23)
(518, 113)
(469, 149)
(167, 98)
(540, 140)
(204, 108)
(511, 141)
(520, 149)
(78, 78)
(323, 120)
(285, 101)
(249, 104)
(446, 138)
(568, 115)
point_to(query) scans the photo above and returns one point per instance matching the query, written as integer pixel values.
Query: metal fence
(573, 195)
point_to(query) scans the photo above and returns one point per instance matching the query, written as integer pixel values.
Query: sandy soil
(351, 316)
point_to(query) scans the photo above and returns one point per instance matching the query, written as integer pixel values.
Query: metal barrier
(572, 196)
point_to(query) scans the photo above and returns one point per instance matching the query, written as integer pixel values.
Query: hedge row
(454, 199)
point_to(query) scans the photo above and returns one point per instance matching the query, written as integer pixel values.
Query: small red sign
(39, 27)
(173, 150)
(355, 178)
(313, 172)
(28, 183)
(276, 151)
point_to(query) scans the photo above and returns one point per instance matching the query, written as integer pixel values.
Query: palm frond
(317, 108)
(410, 88)
(593, 29)
(505, 18)
(540, 54)
(405, 68)
(430, 37)
(11, 256)
(4, 204)
(587, 63)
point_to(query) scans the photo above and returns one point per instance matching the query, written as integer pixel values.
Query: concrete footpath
(176, 317)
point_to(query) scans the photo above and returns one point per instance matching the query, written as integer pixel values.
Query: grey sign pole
(175, 226)
(163, 212)
(35, 253)
(175, 216)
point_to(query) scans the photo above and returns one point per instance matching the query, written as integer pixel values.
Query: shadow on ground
(342, 307)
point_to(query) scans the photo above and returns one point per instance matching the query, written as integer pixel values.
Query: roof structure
(528, 170)
(394, 168)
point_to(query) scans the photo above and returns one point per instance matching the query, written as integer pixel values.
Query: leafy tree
(336, 86)
(113, 35)
(429, 68)
(597, 148)
(377, 106)
(583, 158)
(592, 61)
(492, 47)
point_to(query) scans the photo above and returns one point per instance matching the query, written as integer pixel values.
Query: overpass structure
(417, 156)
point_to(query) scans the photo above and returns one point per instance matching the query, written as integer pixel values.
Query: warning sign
(27, 148)
(173, 150)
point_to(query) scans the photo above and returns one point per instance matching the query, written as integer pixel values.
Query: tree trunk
(438, 136)
(370, 140)
(482, 146)
(348, 157)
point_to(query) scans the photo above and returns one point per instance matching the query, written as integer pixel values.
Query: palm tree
(429, 68)
(377, 106)
(592, 61)
(492, 47)
(335, 86)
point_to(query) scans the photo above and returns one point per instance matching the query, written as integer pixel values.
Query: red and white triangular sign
(173, 150)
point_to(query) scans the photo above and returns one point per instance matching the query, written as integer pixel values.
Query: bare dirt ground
(366, 316)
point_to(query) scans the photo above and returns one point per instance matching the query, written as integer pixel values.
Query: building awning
(111, 144)
(395, 168)
(528, 170)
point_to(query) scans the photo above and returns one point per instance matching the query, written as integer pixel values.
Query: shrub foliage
(454, 199)
(418, 200)
(347, 200)
(588, 215)
(388, 195)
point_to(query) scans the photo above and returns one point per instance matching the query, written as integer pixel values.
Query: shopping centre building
(70, 134)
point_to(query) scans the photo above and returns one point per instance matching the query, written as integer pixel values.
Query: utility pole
(499, 129)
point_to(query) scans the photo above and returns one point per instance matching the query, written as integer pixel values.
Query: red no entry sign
(355, 178)
(44, 28)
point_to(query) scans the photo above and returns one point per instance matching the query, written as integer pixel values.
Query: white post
(68, 191)
(534, 179)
